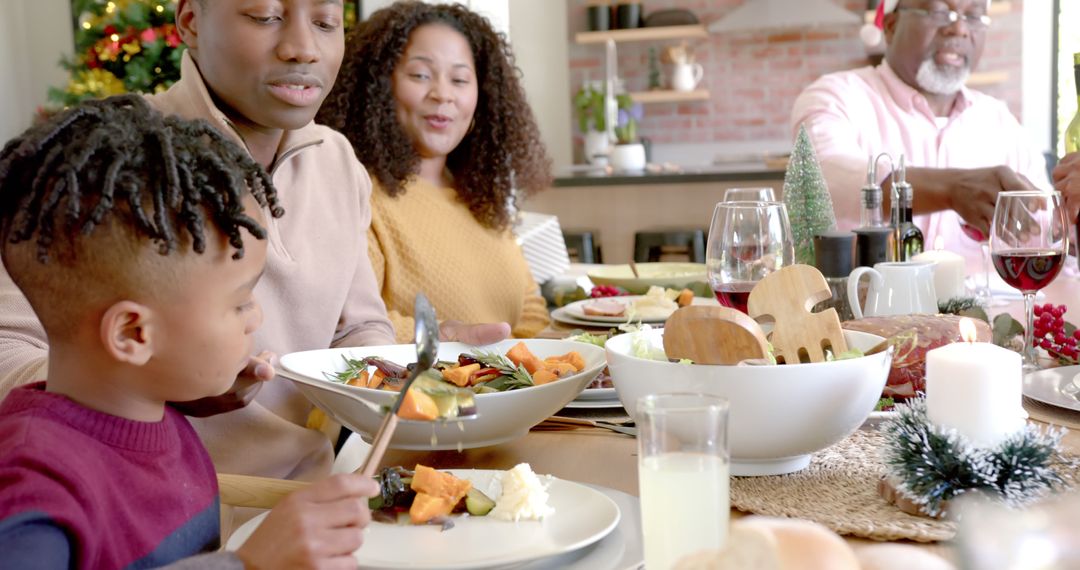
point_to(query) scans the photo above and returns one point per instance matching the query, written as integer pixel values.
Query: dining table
(605, 458)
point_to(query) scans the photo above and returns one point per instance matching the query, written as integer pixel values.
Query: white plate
(594, 404)
(564, 317)
(597, 394)
(577, 310)
(1054, 386)
(583, 516)
(574, 313)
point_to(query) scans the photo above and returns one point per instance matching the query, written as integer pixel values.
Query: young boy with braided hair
(138, 240)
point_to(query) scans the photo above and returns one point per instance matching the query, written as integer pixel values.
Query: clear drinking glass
(683, 475)
(1028, 241)
(747, 241)
(749, 195)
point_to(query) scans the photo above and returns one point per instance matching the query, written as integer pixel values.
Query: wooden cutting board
(786, 297)
(713, 335)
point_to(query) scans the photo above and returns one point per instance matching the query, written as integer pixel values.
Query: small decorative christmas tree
(121, 46)
(809, 206)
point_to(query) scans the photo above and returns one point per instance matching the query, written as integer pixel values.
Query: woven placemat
(1051, 414)
(839, 490)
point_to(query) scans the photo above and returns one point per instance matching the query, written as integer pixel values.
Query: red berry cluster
(1049, 330)
(606, 291)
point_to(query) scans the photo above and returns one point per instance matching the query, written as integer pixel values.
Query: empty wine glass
(749, 195)
(1028, 241)
(982, 290)
(747, 241)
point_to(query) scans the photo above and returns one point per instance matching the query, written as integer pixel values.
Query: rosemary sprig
(514, 376)
(353, 369)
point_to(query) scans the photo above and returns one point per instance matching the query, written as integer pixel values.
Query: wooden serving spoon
(713, 335)
(787, 297)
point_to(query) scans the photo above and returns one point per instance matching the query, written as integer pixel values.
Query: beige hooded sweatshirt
(318, 291)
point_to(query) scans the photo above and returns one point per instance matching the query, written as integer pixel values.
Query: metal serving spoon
(427, 347)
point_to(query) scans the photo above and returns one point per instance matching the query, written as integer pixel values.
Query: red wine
(1028, 269)
(973, 232)
(734, 295)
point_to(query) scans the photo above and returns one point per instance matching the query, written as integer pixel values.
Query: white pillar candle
(949, 270)
(975, 388)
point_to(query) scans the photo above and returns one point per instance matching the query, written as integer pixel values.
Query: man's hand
(479, 334)
(258, 370)
(1066, 177)
(972, 192)
(316, 527)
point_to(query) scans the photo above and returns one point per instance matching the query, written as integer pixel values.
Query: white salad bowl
(501, 416)
(779, 414)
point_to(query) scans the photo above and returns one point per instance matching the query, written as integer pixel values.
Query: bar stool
(583, 247)
(658, 245)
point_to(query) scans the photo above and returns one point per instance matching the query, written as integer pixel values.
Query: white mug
(896, 288)
(686, 76)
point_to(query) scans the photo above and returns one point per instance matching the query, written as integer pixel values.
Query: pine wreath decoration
(931, 465)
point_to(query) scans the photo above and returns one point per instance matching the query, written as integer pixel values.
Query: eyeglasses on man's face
(941, 17)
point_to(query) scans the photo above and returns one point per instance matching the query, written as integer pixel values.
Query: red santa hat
(871, 34)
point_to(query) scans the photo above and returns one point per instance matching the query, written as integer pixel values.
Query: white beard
(941, 80)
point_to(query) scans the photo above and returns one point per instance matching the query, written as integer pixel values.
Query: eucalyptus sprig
(514, 376)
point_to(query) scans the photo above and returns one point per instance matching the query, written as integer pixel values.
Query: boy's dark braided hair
(68, 173)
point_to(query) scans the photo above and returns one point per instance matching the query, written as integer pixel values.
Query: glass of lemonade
(683, 472)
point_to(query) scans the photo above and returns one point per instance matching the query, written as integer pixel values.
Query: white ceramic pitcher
(896, 288)
(686, 76)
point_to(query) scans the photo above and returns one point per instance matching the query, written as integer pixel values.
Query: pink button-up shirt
(853, 114)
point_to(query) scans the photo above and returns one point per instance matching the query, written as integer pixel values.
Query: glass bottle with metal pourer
(909, 238)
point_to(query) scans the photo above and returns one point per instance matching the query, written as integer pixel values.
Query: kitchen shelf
(643, 34)
(669, 96)
(995, 9)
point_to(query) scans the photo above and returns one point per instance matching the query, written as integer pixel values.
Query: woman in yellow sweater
(430, 99)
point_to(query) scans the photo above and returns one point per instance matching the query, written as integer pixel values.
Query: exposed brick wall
(754, 77)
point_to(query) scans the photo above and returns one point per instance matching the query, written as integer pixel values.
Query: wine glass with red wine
(747, 241)
(1028, 240)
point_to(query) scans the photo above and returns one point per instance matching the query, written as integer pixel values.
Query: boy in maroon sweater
(138, 239)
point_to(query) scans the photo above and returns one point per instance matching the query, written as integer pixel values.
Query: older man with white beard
(962, 147)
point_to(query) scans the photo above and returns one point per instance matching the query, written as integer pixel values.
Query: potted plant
(629, 154)
(589, 106)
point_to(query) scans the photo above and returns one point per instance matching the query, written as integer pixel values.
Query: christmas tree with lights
(121, 46)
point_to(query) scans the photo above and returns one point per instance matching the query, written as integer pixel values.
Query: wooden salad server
(713, 335)
(787, 297)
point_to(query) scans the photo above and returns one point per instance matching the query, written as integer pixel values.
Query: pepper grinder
(834, 256)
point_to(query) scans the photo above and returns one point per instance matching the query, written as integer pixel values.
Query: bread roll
(763, 543)
(899, 557)
(748, 548)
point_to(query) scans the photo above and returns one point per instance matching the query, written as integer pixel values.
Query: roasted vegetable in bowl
(479, 371)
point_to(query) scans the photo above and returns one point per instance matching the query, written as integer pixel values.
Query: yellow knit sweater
(427, 240)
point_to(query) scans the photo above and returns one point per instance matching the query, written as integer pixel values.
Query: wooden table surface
(605, 458)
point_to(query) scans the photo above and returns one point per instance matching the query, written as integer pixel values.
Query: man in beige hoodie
(258, 71)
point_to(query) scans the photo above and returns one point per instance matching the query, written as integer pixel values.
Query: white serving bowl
(779, 414)
(657, 274)
(501, 416)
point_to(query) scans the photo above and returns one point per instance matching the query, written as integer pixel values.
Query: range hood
(755, 15)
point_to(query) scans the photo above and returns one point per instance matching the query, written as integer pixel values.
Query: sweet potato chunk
(573, 357)
(418, 406)
(426, 507)
(522, 356)
(459, 375)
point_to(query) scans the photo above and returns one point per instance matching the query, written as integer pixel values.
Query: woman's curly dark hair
(501, 152)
